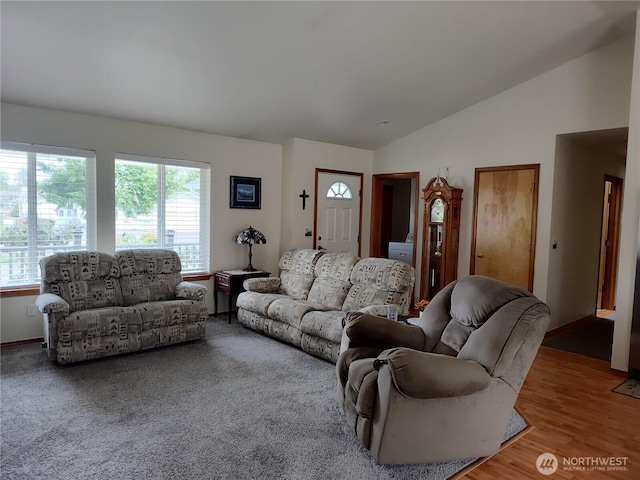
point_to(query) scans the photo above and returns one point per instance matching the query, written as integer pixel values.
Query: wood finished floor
(568, 399)
(605, 313)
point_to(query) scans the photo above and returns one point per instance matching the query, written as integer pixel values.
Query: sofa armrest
(262, 285)
(364, 330)
(52, 303)
(424, 375)
(191, 291)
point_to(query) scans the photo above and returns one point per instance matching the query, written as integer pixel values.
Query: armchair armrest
(364, 330)
(52, 303)
(191, 291)
(424, 375)
(262, 284)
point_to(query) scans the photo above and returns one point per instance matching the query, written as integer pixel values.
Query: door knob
(479, 255)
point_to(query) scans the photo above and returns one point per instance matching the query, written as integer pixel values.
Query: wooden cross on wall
(304, 197)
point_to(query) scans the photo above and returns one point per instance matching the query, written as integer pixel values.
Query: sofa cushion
(148, 275)
(290, 311)
(361, 296)
(257, 302)
(383, 274)
(83, 279)
(378, 281)
(297, 272)
(332, 283)
(327, 325)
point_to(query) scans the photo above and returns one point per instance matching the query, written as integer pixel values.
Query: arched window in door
(339, 190)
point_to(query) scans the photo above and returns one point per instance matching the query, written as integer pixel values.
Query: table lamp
(249, 236)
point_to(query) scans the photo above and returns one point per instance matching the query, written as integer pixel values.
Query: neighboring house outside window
(164, 203)
(47, 205)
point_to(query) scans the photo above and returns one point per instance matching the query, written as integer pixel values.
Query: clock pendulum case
(440, 236)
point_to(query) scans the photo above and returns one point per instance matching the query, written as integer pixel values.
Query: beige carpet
(235, 405)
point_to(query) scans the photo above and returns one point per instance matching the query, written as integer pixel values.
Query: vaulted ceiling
(328, 71)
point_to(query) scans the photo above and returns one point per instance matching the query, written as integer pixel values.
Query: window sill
(22, 291)
(195, 277)
(27, 290)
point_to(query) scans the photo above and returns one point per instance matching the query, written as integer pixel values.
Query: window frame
(205, 202)
(31, 284)
(339, 193)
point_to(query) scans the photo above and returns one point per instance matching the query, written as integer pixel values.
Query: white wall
(629, 228)
(519, 126)
(107, 136)
(300, 160)
(576, 224)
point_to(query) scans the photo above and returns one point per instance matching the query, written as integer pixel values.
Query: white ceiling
(325, 71)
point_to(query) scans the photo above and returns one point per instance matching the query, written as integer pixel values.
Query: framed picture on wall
(245, 192)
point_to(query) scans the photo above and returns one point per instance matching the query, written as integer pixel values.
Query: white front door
(338, 211)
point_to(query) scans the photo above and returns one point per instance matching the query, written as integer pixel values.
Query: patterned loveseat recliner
(96, 304)
(306, 306)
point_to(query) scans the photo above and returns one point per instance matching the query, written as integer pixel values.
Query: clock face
(437, 210)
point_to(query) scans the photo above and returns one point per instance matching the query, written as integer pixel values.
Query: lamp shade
(250, 236)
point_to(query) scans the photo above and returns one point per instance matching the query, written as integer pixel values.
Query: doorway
(394, 219)
(581, 212)
(338, 211)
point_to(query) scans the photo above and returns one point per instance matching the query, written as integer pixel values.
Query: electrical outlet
(31, 310)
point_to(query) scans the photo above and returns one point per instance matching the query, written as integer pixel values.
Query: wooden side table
(230, 282)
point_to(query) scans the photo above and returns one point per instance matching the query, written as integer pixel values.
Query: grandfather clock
(440, 237)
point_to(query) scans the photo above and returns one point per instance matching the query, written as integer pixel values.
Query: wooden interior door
(504, 223)
(610, 242)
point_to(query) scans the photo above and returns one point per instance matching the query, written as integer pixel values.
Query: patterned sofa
(96, 304)
(307, 304)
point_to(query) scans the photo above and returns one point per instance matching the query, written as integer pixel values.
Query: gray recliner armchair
(444, 389)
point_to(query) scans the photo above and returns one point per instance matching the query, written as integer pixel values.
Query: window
(47, 205)
(339, 190)
(163, 203)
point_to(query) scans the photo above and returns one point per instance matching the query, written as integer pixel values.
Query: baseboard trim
(619, 373)
(570, 326)
(21, 342)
